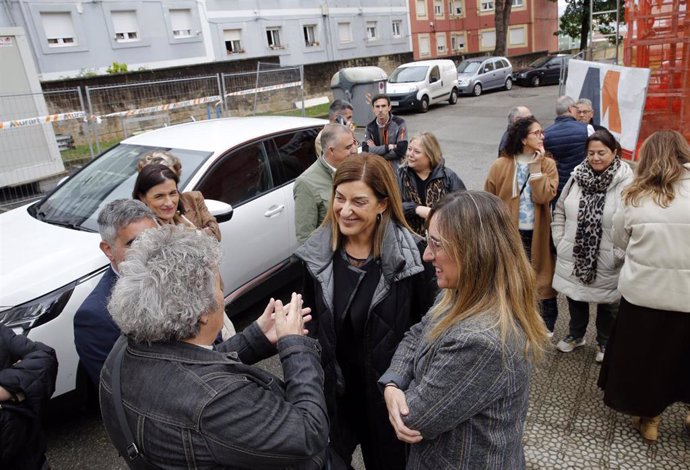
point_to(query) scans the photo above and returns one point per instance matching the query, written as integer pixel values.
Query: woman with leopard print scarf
(424, 180)
(587, 263)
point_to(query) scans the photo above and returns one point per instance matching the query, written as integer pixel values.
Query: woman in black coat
(27, 380)
(367, 285)
(424, 180)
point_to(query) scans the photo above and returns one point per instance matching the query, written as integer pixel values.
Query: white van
(416, 85)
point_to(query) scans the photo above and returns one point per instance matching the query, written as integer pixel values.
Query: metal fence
(45, 136)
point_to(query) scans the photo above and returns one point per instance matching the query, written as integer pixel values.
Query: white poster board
(618, 96)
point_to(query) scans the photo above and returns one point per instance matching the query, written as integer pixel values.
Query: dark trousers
(547, 307)
(579, 318)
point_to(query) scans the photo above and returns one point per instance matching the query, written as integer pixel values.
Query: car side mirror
(220, 210)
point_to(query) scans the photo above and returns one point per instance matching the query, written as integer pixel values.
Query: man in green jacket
(312, 190)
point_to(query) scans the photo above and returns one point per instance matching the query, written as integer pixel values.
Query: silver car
(484, 73)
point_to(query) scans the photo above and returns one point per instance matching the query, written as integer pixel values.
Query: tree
(575, 19)
(502, 10)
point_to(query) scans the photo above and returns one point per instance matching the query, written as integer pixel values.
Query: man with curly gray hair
(192, 405)
(95, 333)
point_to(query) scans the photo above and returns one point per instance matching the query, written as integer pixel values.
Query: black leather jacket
(190, 407)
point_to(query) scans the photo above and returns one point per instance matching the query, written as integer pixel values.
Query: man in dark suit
(119, 223)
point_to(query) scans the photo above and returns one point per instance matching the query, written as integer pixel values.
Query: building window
(309, 31)
(233, 41)
(273, 38)
(125, 25)
(438, 8)
(420, 8)
(371, 31)
(517, 36)
(456, 8)
(181, 21)
(59, 29)
(344, 32)
(457, 42)
(486, 5)
(517, 3)
(397, 25)
(440, 43)
(487, 40)
(424, 46)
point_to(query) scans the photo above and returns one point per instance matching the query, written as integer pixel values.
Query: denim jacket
(190, 407)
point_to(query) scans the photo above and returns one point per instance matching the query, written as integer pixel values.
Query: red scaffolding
(658, 38)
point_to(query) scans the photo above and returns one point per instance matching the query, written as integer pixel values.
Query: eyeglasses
(539, 133)
(584, 111)
(434, 245)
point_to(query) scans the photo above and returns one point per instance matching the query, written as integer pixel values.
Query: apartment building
(72, 37)
(443, 28)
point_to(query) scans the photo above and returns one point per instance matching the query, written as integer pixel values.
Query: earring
(378, 217)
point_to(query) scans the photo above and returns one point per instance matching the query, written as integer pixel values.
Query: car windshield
(540, 61)
(408, 74)
(77, 202)
(468, 66)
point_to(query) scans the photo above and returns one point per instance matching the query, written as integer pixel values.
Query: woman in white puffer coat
(588, 264)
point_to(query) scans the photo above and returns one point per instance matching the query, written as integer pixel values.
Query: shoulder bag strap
(523, 185)
(135, 459)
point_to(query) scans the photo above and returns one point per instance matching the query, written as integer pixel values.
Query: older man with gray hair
(119, 223)
(517, 112)
(565, 140)
(312, 190)
(172, 400)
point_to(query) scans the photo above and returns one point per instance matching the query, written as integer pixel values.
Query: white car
(245, 167)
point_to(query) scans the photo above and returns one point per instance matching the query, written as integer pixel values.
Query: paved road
(469, 133)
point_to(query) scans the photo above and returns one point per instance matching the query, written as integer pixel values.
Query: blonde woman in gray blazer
(457, 387)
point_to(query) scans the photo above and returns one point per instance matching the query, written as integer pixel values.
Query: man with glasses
(585, 113)
(312, 190)
(565, 139)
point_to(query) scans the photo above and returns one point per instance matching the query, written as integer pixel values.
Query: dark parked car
(543, 71)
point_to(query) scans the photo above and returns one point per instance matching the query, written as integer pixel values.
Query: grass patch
(81, 152)
(318, 111)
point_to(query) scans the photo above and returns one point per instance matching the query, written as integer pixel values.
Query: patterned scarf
(589, 215)
(435, 191)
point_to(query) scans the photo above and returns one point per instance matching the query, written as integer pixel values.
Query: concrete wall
(95, 46)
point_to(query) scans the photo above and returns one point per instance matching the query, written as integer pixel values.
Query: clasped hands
(280, 320)
(397, 408)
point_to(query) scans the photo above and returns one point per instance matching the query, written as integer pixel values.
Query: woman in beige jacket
(647, 362)
(526, 179)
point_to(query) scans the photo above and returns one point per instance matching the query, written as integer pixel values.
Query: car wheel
(535, 81)
(453, 96)
(424, 104)
(509, 83)
(477, 90)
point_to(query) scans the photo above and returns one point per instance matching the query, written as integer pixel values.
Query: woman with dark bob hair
(587, 263)
(525, 178)
(457, 388)
(647, 362)
(175, 401)
(156, 186)
(366, 284)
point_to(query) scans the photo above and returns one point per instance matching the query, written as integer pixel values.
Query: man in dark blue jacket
(119, 223)
(565, 139)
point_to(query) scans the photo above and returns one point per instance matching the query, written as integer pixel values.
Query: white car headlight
(523, 75)
(412, 89)
(37, 311)
(463, 82)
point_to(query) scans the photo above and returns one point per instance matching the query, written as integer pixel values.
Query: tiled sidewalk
(569, 427)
